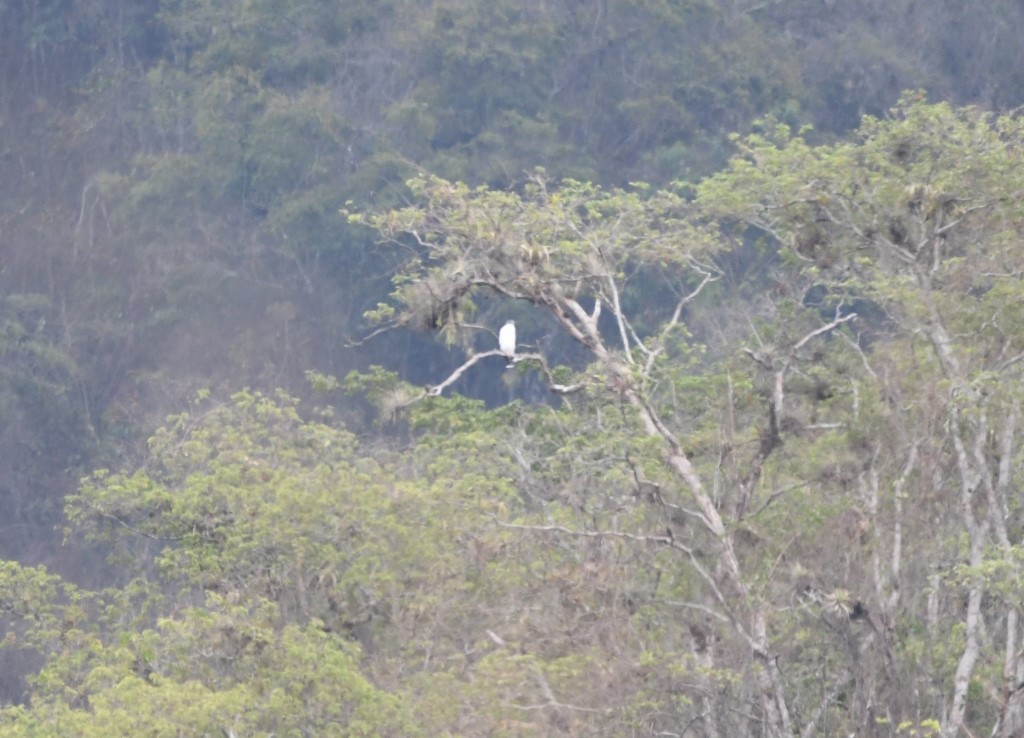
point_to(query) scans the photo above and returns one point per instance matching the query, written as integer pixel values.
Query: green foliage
(283, 539)
(926, 728)
(288, 536)
(524, 244)
(384, 389)
(251, 679)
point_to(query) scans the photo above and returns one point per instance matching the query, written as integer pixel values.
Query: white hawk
(507, 340)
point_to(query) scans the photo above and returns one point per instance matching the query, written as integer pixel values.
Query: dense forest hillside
(753, 468)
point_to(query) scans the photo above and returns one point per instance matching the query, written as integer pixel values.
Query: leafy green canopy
(774, 527)
(890, 336)
(917, 223)
(279, 544)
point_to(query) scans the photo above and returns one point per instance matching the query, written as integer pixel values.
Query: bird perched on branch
(507, 341)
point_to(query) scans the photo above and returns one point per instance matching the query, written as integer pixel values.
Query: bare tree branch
(437, 389)
(824, 329)
(666, 540)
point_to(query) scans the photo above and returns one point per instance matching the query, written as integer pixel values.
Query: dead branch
(824, 329)
(353, 342)
(639, 537)
(562, 389)
(437, 389)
